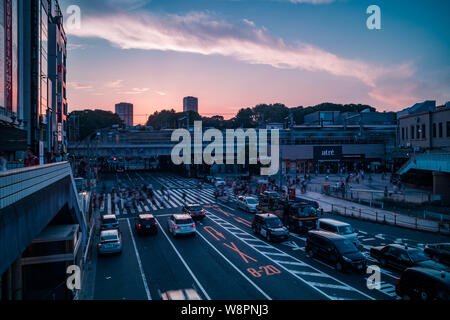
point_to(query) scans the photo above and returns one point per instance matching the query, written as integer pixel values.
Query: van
(342, 228)
(335, 249)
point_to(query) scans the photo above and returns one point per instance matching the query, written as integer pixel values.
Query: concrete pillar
(441, 183)
(16, 280)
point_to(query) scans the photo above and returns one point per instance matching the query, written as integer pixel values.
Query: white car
(247, 204)
(181, 224)
(110, 242)
(219, 182)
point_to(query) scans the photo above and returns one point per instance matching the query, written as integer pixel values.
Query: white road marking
(144, 280)
(236, 268)
(184, 262)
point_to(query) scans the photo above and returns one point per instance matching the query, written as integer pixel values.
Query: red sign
(8, 55)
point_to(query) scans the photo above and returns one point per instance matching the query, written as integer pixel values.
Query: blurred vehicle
(247, 204)
(109, 222)
(219, 182)
(196, 211)
(184, 294)
(312, 203)
(423, 284)
(342, 228)
(110, 242)
(299, 217)
(146, 224)
(181, 224)
(120, 170)
(336, 249)
(270, 227)
(208, 179)
(439, 252)
(401, 257)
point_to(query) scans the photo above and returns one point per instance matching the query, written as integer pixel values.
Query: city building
(33, 105)
(190, 104)
(425, 128)
(125, 112)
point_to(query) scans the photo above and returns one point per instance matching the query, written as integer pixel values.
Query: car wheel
(338, 266)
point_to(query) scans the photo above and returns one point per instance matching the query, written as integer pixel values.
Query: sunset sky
(238, 53)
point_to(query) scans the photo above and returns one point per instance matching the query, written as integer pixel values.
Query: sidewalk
(347, 208)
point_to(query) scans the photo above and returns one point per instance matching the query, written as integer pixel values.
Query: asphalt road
(225, 260)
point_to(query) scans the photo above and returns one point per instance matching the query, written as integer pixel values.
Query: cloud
(134, 91)
(199, 33)
(79, 86)
(160, 93)
(114, 84)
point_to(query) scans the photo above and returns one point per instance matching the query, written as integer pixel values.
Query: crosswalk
(173, 198)
(171, 181)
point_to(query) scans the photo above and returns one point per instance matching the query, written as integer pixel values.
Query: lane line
(144, 280)
(183, 261)
(236, 268)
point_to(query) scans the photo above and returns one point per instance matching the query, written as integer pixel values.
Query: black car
(439, 252)
(401, 257)
(196, 211)
(423, 284)
(146, 224)
(335, 249)
(270, 227)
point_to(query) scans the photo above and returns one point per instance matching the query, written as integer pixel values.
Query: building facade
(190, 104)
(32, 112)
(429, 130)
(125, 112)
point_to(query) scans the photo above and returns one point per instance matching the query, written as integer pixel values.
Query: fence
(391, 218)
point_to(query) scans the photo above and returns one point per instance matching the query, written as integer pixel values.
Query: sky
(233, 54)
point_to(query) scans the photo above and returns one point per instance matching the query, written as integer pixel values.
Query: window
(412, 132)
(440, 129)
(403, 133)
(423, 131)
(434, 130)
(448, 129)
(406, 129)
(418, 131)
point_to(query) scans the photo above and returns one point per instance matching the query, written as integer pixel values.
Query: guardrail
(383, 216)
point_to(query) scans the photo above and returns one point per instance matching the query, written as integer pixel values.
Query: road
(225, 260)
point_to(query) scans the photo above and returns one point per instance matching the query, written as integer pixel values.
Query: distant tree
(91, 121)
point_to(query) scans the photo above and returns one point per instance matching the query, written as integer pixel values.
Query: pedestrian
(3, 162)
(31, 160)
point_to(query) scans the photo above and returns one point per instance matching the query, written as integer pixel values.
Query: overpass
(43, 228)
(436, 163)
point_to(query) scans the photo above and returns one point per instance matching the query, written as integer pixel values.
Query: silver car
(110, 242)
(339, 227)
(247, 204)
(181, 224)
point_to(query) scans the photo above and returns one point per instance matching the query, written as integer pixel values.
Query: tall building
(190, 104)
(125, 112)
(33, 103)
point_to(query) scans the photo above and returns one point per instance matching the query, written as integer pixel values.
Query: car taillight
(139, 225)
(99, 244)
(192, 214)
(203, 212)
(176, 227)
(156, 223)
(398, 281)
(193, 225)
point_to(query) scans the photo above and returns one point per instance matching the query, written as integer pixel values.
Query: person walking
(3, 162)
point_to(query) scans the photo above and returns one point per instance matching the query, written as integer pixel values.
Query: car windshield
(417, 256)
(274, 223)
(195, 208)
(273, 195)
(109, 220)
(147, 221)
(346, 230)
(109, 237)
(252, 201)
(184, 221)
(345, 246)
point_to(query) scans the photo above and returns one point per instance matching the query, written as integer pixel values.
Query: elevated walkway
(30, 199)
(428, 162)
